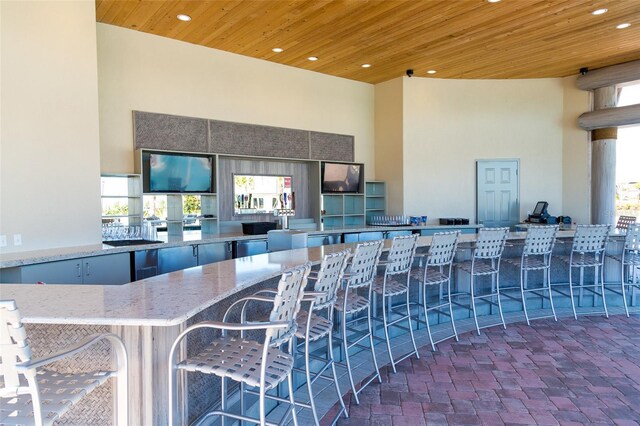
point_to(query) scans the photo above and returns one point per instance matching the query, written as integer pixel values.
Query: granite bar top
(163, 300)
(172, 298)
(8, 260)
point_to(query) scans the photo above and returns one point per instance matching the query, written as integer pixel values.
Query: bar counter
(8, 260)
(150, 313)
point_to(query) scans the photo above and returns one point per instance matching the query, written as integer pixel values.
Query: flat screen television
(180, 173)
(340, 177)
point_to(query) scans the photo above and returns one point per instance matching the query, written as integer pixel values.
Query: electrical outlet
(3, 240)
(17, 239)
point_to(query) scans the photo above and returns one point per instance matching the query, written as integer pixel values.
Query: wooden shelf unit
(119, 189)
(376, 199)
(342, 210)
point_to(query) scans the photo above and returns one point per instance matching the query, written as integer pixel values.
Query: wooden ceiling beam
(609, 76)
(610, 117)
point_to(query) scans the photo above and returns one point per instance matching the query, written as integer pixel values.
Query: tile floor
(566, 372)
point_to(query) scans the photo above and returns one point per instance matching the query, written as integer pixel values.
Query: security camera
(409, 72)
(584, 71)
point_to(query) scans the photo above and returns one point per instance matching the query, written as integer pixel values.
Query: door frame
(481, 160)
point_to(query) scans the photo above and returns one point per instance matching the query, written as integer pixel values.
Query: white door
(497, 193)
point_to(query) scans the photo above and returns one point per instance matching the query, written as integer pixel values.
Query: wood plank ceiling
(472, 39)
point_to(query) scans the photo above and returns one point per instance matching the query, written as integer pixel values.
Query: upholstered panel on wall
(170, 132)
(176, 133)
(332, 147)
(262, 141)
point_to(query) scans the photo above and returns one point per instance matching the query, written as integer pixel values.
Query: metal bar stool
(536, 256)
(258, 364)
(437, 271)
(588, 251)
(32, 395)
(629, 261)
(395, 282)
(316, 323)
(485, 261)
(625, 221)
(353, 301)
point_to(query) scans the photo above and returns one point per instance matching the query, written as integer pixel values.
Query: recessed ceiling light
(432, 72)
(599, 11)
(183, 17)
(493, 1)
(366, 65)
(623, 26)
(278, 49)
(312, 58)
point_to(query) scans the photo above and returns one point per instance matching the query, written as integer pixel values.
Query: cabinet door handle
(87, 268)
(195, 251)
(78, 270)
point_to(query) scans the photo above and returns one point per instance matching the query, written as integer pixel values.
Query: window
(627, 161)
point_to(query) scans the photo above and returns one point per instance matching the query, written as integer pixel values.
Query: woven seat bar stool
(437, 272)
(354, 306)
(485, 261)
(536, 256)
(262, 364)
(315, 323)
(32, 395)
(392, 283)
(629, 261)
(587, 251)
(625, 221)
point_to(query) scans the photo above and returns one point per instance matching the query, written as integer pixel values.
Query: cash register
(540, 214)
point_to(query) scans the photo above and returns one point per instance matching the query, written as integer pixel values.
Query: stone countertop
(163, 300)
(172, 298)
(8, 260)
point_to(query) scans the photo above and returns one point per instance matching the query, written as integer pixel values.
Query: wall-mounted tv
(179, 173)
(340, 177)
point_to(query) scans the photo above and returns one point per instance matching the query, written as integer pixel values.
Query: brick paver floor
(567, 372)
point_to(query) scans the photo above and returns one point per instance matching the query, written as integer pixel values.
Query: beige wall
(143, 72)
(576, 157)
(49, 155)
(429, 132)
(449, 124)
(389, 140)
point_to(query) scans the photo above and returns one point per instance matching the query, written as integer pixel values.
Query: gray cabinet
(61, 272)
(107, 269)
(363, 236)
(214, 252)
(145, 264)
(250, 247)
(149, 263)
(317, 240)
(177, 258)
